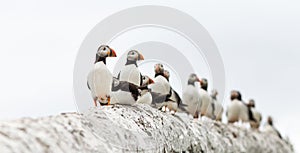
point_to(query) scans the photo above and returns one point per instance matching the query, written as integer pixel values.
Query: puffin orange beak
(112, 53)
(151, 81)
(198, 80)
(141, 57)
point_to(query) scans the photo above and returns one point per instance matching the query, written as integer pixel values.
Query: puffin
(233, 109)
(173, 102)
(206, 108)
(167, 74)
(269, 127)
(238, 110)
(191, 96)
(130, 71)
(161, 84)
(217, 106)
(123, 92)
(100, 78)
(256, 115)
(146, 97)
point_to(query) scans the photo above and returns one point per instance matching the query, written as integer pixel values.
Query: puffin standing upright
(100, 78)
(217, 106)
(269, 127)
(238, 110)
(161, 84)
(206, 101)
(130, 71)
(234, 108)
(256, 115)
(173, 101)
(191, 96)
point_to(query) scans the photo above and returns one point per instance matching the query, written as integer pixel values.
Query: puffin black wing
(134, 91)
(141, 79)
(181, 106)
(127, 87)
(177, 97)
(158, 98)
(250, 113)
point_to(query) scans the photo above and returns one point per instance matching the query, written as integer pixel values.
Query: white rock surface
(132, 129)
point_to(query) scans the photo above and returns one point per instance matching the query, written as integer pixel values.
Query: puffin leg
(108, 100)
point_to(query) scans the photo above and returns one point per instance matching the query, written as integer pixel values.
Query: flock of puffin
(131, 87)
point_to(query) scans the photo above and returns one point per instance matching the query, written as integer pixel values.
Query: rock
(137, 128)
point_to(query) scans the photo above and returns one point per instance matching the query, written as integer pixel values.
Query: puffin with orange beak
(99, 79)
(130, 71)
(191, 96)
(146, 97)
(206, 100)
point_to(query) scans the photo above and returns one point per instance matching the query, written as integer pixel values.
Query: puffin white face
(147, 80)
(234, 94)
(106, 51)
(134, 55)
(159, 68)
(193, 78)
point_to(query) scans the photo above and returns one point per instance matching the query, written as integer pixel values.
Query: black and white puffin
(100, 78)
(191, 96)
(130, 71)
(238, 110)
(146, 97)
(233, 109)
(164, 97)
(206, 108)
(167, 75)
(174, 102)
(269, 128)
(161, 84)
(217, 106)
(256, 115)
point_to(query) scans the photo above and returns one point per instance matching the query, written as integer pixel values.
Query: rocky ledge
(137, 128)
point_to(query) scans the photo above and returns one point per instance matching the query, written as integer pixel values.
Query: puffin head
(159, 68)
(193, 78)
(236, 95)
(134, 55)
(103, 52)
(147, 80)
(270, 120)
(214, 93)
(204, 83)
(167, 74)
(251, 103)
(106, 51)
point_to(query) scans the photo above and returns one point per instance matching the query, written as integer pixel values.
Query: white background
(258, 41)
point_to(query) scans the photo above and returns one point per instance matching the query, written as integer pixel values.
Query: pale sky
(258, 41)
